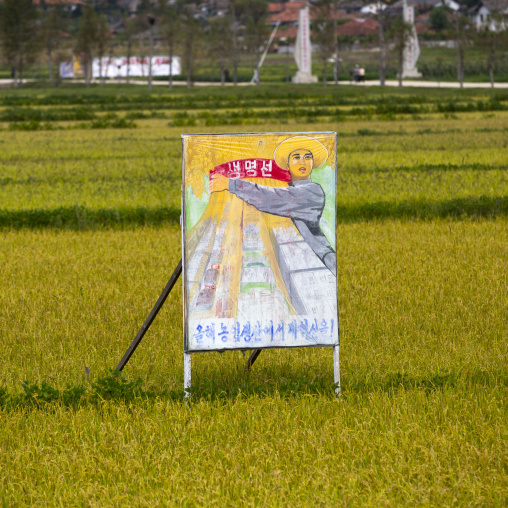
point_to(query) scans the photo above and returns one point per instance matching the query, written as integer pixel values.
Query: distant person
(356, 73)
(361, 74)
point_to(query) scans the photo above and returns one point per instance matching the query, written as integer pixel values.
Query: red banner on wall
(252, 168)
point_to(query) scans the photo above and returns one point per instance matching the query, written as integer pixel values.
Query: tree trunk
(491, 67)
(188, 62)
(88, 59)
(170, 81)
(336, 44)
(20, 79)
(129, 52)
(150, 60)
(460, 56)
(235, 48)
(257, 68)
(401, 61)
(50, 65)
(460, 65)
(110, 57)
(142, 56)
(287, 63)
(15, 72)
(221, 65)
(382, 52)
(337, 70)
(458, 51)
(459, 69)
(235, 61)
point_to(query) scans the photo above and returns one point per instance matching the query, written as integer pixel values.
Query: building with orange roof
(286, 14)
(358, 28)
(69, 3)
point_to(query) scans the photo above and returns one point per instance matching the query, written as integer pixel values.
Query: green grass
(89, 236)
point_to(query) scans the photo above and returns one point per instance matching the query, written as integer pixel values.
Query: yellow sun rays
(203, 153)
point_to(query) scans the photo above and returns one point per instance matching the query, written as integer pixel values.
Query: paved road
(434, 84)
(407, 83)
(6, 83)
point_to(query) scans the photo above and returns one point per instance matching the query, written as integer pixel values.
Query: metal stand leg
(252, 358)
(186, 373)
(151, 317)
(336, 369)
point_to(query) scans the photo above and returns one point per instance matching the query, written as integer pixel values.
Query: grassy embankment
(90, 234)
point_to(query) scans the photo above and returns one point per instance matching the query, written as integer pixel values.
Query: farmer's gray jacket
(302, 201)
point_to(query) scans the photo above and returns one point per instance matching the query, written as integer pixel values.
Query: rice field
(89, 229)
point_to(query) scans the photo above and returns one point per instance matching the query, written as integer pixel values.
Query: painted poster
(259, 247)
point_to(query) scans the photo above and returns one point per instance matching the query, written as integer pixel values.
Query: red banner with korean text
(252, 168)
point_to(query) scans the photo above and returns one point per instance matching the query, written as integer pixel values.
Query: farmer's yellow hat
(319, 151)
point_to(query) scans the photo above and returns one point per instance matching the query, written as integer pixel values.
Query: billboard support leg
(149, 320)
(187, 374)
(252, 358)
(336, 369)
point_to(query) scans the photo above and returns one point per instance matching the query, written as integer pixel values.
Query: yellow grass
(416, 299)
(422, 419)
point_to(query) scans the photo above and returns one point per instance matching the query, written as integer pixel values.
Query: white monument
(303, 50)
(411, 48)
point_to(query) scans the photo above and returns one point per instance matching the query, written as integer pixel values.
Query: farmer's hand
(218, 183)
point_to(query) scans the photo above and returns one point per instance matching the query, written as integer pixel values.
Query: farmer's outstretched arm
(283, 201)
(276, 200)
(304, 203)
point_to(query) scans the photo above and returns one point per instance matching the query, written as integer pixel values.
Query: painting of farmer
(259, 240)
(302, 200)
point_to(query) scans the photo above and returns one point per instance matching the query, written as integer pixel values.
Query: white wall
(115, 67)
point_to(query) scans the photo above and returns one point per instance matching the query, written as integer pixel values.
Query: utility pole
(235, 44)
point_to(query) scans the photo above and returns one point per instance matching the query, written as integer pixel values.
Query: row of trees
(491, 38)
(183, 28)
(25, 30)
(393, 30)
(394, 33)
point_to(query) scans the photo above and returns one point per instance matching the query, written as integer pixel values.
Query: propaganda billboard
(259, 241)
